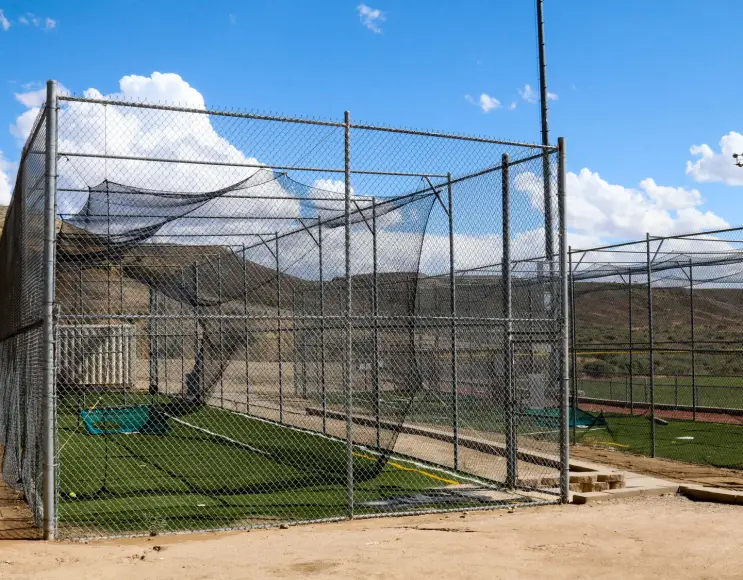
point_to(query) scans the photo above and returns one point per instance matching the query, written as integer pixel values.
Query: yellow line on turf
(610, 443)
(405, 468)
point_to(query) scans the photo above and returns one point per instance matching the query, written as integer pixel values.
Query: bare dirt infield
(665, 537)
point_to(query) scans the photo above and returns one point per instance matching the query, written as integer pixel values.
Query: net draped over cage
(326, 327)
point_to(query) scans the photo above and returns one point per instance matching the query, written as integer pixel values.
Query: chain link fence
(656, 335)
(262, 320)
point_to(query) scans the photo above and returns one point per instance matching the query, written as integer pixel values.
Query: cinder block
(601, 486)
(617, 484)
(576, 487)
(611, 477)
(587, 486)
(583, 477)
(590, 497)
(550, 481)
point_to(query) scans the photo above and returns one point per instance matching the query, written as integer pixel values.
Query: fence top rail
(301, 120)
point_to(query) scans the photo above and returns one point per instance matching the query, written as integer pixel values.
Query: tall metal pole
(49, 402)
(511, 440)
(631, 348)
(574, 349)
(564, 309)
(247, 332)
(347, 358)
(549, 244)
(453, 325)
(152, 341)
(375, 314)
(694, 394)
(322, 333)
(222, 364)
(278, 332)
(651, 347)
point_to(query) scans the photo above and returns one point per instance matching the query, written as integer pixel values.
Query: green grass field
(716, 444)
(722, 392)
(187, 479)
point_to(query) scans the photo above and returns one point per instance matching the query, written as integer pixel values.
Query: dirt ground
(676, 471)
(664, 537)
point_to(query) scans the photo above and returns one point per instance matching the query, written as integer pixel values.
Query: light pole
(738, 159)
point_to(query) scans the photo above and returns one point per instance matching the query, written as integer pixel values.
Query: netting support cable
(651, 349)
(508, 391)
(348, 346)
(49, 395)
(564, 311)
(453, 325)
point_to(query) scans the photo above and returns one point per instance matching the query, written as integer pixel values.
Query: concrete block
(611, 477)
(712, 494)
(643, 491)
(576, 487)
(601, 486)
(550, 481)
(590, 497)
(583, 477)
(587, 486)
(617, 484)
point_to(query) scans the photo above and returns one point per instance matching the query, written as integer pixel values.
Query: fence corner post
(49, 395)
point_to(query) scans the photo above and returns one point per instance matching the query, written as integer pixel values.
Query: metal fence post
(631, 348)
(651, 346)
(694, 394)
(564, 309)
(453, 325)
(375, 314)
(511, 437)
(222, 362)
(278, 332)
(348, 350)
(49, 402)
(322, 332)
(573, 336)
(247, 331)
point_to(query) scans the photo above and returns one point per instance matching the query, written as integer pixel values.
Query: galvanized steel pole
(453, 324)
(348, 354)
(651, 348)
(49, 402)
(511, 442)
(694, 394)
(564, 310)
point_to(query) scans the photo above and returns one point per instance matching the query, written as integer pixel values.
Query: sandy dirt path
(660, 538)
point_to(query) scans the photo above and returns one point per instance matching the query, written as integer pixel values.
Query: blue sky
(638, 83)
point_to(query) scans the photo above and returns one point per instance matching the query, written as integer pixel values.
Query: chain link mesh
(686, 404)
(209, 372)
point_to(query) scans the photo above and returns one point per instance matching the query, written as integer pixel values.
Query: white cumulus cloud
(485, 102)
(371, 17)
(600, 211)
(528, 94)
(6, 185)
(712, 165)
(4, 22)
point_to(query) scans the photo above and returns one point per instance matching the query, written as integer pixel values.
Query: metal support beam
(348, 346)
(453, 328)
(564, 311)
(651, 346)
(49, 400)
(506, 304)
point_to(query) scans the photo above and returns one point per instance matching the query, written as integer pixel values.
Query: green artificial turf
(186, 479)
(716, 444)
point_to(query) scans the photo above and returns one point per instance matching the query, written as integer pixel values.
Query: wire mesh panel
(661, 364)
(266, 320)
(21, 342)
